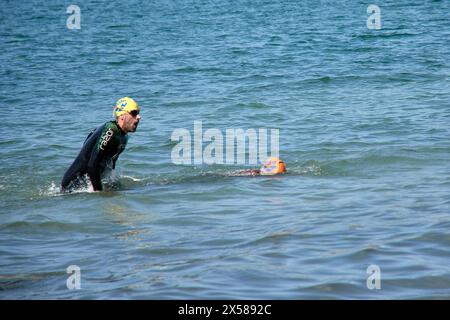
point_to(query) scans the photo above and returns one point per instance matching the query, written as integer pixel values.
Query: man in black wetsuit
(103, 146)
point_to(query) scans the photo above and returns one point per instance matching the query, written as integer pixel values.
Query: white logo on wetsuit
(106, 137)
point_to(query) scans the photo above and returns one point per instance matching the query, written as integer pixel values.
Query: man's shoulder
(111, 125)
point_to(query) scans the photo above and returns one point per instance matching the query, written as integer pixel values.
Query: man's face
(131, 121)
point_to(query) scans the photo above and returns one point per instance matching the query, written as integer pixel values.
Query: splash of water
(54, 190)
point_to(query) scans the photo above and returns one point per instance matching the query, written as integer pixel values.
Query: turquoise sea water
(364, 130)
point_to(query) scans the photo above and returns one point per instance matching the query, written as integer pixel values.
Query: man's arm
(96, 161)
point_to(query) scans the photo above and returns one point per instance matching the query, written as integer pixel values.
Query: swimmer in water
(273, 166)
(102, 147)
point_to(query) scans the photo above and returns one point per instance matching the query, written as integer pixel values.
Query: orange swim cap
(273, 166)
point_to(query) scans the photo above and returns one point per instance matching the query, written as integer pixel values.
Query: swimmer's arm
(114, 158)
(98, 154)
(94, 170)
(249, 172)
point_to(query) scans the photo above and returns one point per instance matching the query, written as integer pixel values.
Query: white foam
(132, 178)
(54, 190)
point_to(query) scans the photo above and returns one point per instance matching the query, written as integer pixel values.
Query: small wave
(253, 105)
(187, 69)
(118, 26)
(131, 235)
(132, 178)
(192, 177)
(374, 159)
(14, 281)
(325, 79)
(320, 79)
(275, 237)
(47, 225)
(169, 144)
(360, 49)
(117, 63)
(384, 35)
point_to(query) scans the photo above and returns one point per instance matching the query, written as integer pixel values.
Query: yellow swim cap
(124, 105)
(273, 166)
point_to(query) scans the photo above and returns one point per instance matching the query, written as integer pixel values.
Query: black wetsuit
(100, 151)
